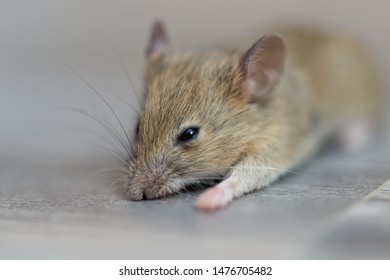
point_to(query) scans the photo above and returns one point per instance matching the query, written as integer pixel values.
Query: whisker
(127, 73)
(123, 100)
(124, 168)
(110, 170)
(100, 96)
(105, 170)
(111, 186)
(117, 155)
(120, 190)
(120, 141)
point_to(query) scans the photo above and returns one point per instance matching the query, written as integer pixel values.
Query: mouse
(242, 116)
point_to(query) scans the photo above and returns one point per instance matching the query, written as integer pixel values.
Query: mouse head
(199, 112)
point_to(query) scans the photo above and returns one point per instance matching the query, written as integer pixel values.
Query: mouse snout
(150, 181)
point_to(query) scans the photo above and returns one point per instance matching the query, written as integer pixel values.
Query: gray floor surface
(334, 207)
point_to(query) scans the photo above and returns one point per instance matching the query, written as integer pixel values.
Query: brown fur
(324, 78)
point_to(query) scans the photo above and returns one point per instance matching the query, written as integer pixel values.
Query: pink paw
(214, 198)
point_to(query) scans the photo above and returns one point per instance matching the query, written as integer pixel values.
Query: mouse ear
(262, 66)
(159, 43)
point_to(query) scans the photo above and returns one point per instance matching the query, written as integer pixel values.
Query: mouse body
(245, 115)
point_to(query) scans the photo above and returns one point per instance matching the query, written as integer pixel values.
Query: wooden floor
(336, 207)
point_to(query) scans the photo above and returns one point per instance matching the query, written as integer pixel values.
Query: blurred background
(51, 148)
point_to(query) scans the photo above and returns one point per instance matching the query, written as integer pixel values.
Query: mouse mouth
(159, 181)
(143, 188)
(156, 193)
(150, 181)
(141, 191)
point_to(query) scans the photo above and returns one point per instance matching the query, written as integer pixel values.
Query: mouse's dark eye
(188, 134)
